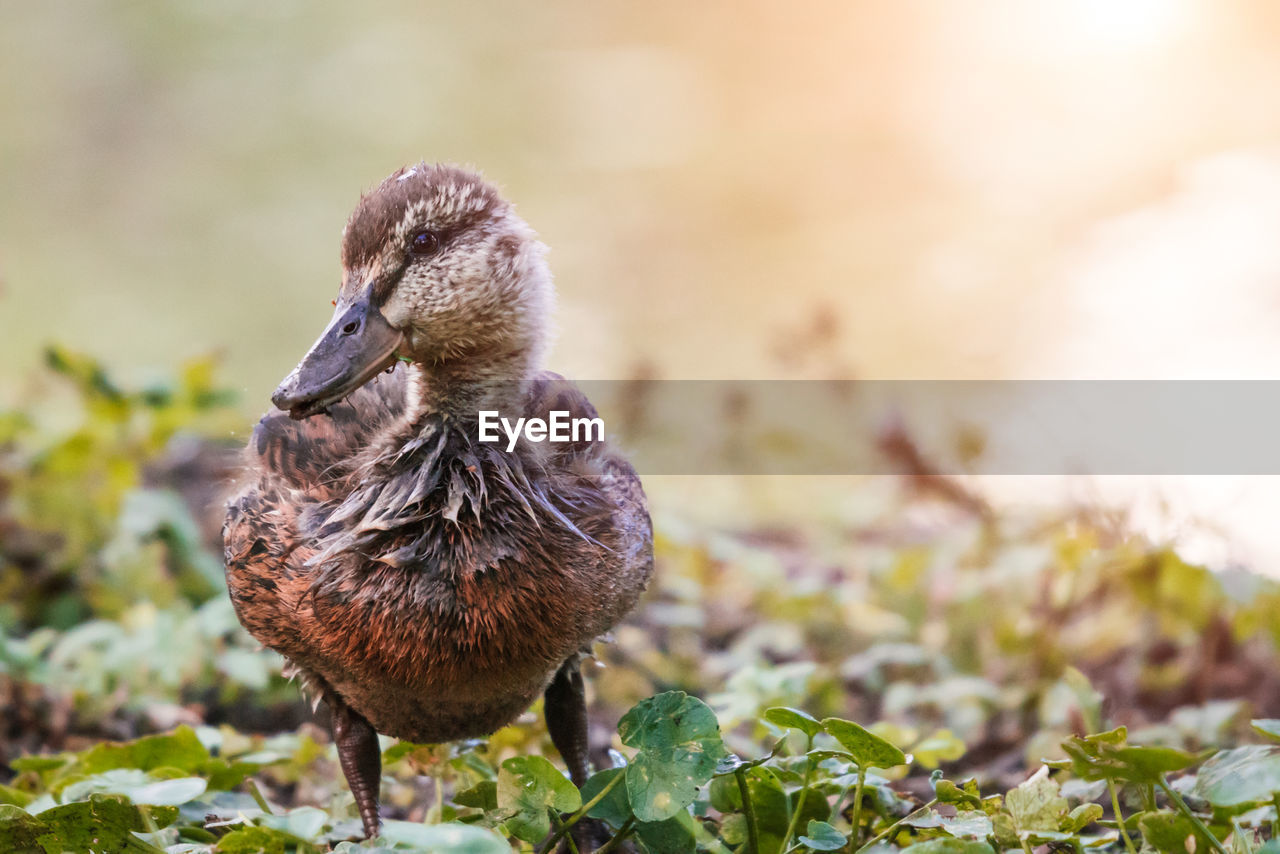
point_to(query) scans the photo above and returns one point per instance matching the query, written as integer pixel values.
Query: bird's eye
(424, 243)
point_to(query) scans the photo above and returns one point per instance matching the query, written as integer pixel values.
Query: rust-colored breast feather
(433, 582)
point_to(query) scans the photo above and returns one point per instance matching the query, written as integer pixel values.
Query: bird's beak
(354, 347)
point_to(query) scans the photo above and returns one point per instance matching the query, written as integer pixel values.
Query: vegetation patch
(912, 672)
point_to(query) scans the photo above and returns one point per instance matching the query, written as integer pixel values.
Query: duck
(419, 581)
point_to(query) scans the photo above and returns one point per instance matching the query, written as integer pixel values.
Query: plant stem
(891, 829)
(257, 796)
(753, 837)
(1115, 808)
(560, 829)
(1192, 817)
(856, 818)
(581, 813)
(623, 833)
(804, 790)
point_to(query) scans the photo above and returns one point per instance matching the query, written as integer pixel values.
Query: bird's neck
(459, 390)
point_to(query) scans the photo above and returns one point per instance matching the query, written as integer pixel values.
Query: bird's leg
(360, 757)
(565, 707)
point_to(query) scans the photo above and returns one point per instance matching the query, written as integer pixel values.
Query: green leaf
(452, 838)
(40, 764)
(784, 716)
(529, 786)
(868, 749)
(1081, 817)
(1249, 774)
(770, 802)
(138, 786)
(615, 808)
(968, 824)
(679, 745)
(1036, 805)
(10, 795)
(731, 762)
(940, 747)
(1106, 756)
(821, 755)
(948, 792)
(179, 749)
(1270, 727)
(950, 846)
(104, 823)
(1004, 831)
(20, 831)
(823, 837)
(483, 795)
(1167, 831)
(1044, 837)
(724, 794)
(223, 775)
(256, 840)
(733, 830)
(1149, 763)
(672, 836)
(815, 806)
(303, 822)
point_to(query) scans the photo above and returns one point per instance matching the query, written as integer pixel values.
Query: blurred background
(883, 189)
(995, 189)
(1066, 188)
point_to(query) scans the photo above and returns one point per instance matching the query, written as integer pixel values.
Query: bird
(419, 581)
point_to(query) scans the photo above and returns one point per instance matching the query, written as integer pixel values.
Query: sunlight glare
(1121, 26)
(1070, 30)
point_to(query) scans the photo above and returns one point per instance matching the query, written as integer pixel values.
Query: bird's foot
(588, 835)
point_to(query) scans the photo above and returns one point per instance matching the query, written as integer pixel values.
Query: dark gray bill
(356, 345)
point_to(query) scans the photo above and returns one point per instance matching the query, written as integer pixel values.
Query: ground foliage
(919, 675)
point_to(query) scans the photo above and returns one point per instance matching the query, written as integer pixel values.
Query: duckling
(421, 582)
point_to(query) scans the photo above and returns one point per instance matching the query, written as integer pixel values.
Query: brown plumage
(426, 584)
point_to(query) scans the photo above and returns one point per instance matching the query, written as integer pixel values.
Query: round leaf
(1168, 831)
(178, 749)
(452, 837)
(529, 786)
(615, 808)
(950, 846)
(174, 792)
(1241, 776)
(1036, 805)
(679, 744)
(673, 836)
(104, 822)
(823, 837)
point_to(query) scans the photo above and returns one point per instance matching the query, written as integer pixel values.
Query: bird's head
(437, 269)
